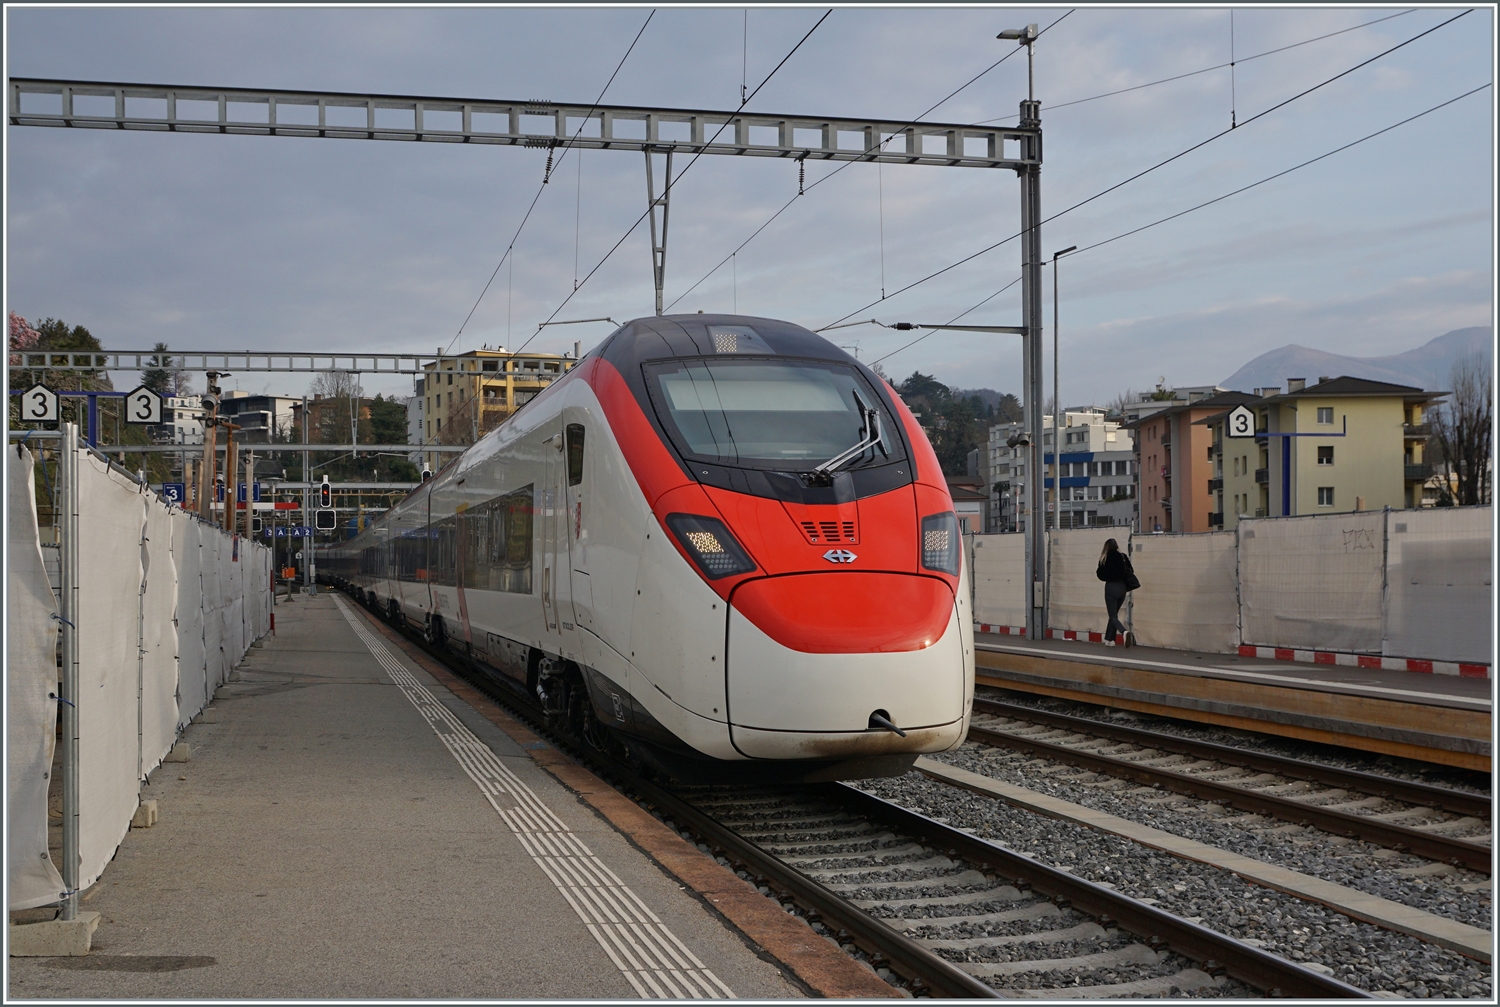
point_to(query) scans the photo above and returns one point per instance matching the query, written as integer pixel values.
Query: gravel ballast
(1357, 953)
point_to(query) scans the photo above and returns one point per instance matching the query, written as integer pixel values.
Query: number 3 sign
(39, 405)
(143, 406)
(1241, 422)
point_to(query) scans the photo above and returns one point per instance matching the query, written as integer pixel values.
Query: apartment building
(466, 396)
(1091, 484)
(261, 418)
(1343, 444)
(1175, 460)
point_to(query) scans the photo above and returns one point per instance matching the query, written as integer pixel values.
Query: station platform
(350, 828)
(1434, 718)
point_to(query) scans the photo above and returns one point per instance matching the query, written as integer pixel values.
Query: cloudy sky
(207, 241)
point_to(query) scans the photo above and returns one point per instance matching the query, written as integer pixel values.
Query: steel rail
(1251, 965)
(1424, 844)
(906, 956)
(1456, 801)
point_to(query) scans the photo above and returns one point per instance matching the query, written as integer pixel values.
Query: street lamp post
(1056, 401)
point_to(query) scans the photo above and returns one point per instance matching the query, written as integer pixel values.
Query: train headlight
(940, 542)
(710, 545)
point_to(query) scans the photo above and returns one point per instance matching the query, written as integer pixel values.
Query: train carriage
(719, 545)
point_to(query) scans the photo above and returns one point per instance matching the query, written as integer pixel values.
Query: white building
(415, 433)
(1094, 487)
(184, 414)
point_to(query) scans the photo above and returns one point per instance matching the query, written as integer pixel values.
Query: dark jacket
(1115, 568)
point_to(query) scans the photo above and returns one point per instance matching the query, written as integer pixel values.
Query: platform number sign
(1241, 422)
(174, 493)
(143, 406)
(39, 405)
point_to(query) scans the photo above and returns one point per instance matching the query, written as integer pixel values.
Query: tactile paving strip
(646, 952)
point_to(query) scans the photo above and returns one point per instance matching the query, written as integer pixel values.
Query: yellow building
(1343, 444)
(466, 396)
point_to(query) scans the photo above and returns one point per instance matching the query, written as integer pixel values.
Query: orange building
(1175, 464)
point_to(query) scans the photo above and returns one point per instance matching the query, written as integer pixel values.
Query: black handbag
(1131, 580)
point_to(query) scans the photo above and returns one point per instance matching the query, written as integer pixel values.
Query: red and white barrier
(1461, 669)
(1368, 661)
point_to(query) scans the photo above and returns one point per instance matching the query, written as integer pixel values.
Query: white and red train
(717, 540)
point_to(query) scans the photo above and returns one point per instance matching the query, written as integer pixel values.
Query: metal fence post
(68, 477)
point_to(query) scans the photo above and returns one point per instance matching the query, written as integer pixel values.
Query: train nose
(811, 655)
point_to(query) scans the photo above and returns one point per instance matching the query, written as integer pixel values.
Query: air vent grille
(818, 532)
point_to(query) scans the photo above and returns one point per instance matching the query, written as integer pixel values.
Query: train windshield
(767, 413)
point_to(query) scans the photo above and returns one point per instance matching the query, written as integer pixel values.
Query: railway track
(1365, 806)
(933, 909)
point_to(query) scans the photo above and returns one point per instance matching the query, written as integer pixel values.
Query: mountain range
(1428, 366)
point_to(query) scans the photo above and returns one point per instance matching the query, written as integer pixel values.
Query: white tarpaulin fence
(1077, 593)
(1437, 581)
(1410, 584)
(1193, 602)
(31, 687)
(166, 606)
(999, 578)
(1313, 583)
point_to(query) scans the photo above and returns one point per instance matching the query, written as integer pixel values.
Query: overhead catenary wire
(1146, 171)
(673, 181)
(510, 248)
(1191, 209)
(878, 144)
(1206, 69)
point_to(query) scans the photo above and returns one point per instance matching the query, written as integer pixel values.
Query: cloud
(213, 241)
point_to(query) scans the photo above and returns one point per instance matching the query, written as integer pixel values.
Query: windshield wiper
(871, 434)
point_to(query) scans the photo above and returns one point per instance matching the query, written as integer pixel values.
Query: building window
(440, 424)
(1325, 455)
(1325, 414)
(1325, 496)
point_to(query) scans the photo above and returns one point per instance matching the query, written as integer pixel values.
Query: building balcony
(1416, 431)
(1419, 473)
(1263, 477)
(1216, 519)
(1216, 484)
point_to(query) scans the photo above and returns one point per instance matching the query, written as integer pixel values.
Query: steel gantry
(168, 108)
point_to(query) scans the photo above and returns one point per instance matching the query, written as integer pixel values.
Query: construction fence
(1400, 583)
(164, 606)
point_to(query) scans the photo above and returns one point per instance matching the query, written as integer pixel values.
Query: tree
(163, 377)
(1461, 427)
(338, 423)
(387, 421)
(52, 334)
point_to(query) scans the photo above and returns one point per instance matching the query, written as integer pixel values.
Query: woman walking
(1119, 580)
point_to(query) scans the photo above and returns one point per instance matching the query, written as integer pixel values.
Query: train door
(575, 494)
(556, 572)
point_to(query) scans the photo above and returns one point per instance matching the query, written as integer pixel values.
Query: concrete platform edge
(813, 961)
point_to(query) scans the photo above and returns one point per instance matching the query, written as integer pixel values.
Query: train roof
(704, 335)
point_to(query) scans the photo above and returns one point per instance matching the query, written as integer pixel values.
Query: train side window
(574, 435)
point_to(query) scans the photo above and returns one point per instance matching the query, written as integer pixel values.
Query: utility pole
(206, 472)
(249, 496)
(231, 466)
(1031, 319)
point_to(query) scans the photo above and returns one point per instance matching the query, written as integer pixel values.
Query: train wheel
(393, 612)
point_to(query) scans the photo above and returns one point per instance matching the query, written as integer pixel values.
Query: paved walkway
(350, 829)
